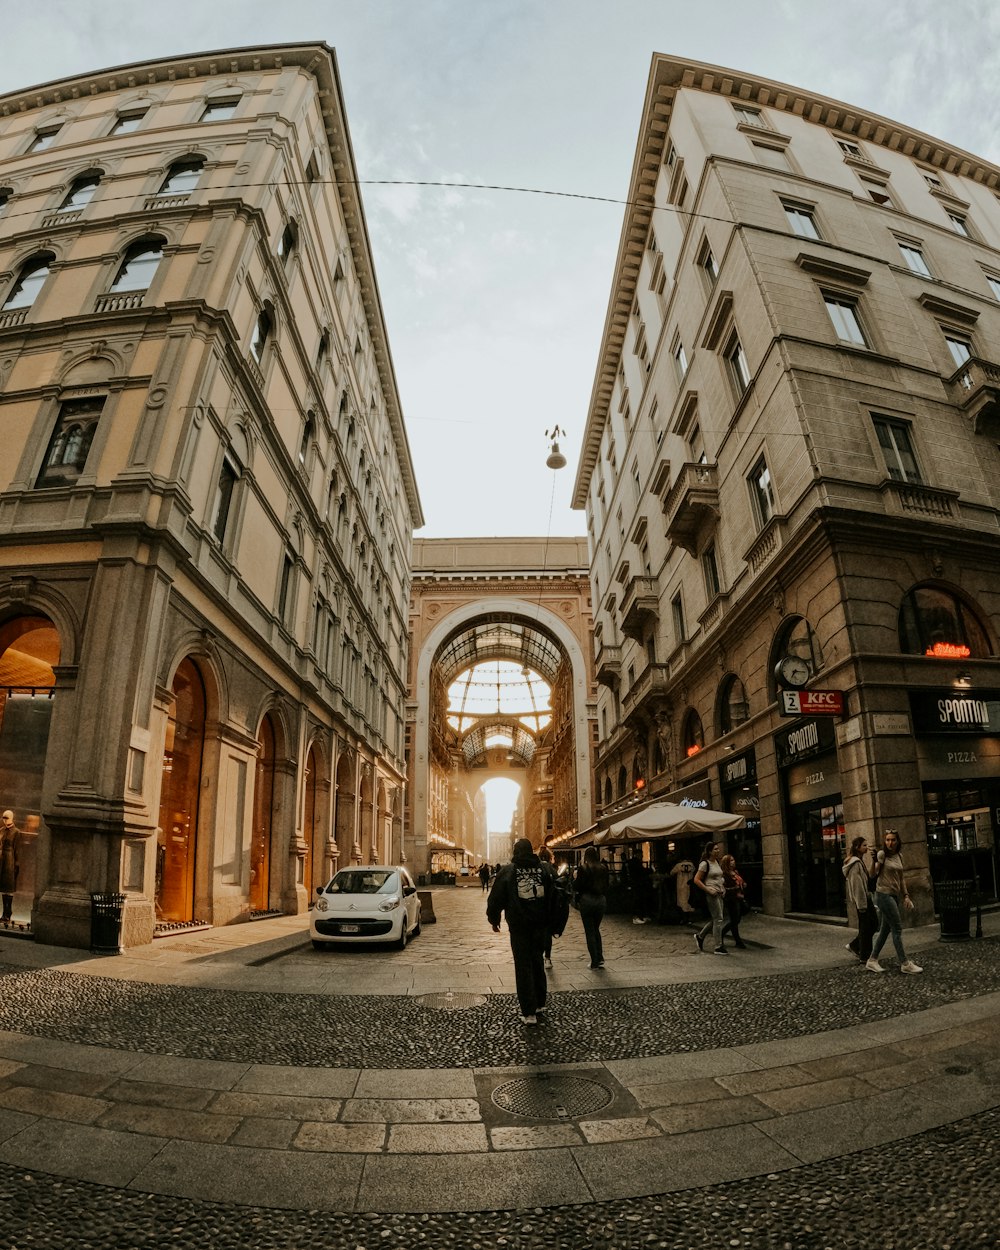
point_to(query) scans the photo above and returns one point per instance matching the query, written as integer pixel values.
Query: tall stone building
(206, 495)
(790, 474)
(501, 686)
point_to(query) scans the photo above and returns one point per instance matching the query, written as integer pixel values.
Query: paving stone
(706, 1115)
(853, 1063)
(628, 1129)
(672, 1093)
(82, 1151)
(534, 1136)
(52, 1104)
(275, 1106)
(350, 1138)
(151, 1094)
(170, 1122)
(759, 1079)
(64, 1080)
(259, 1131)
(411, 1110)
(436, 1138)
(842, 1089)
(904, 1072)
(309, 1082)
(169, 1070)
(415, 1082)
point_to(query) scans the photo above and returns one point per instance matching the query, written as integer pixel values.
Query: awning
(667, 820)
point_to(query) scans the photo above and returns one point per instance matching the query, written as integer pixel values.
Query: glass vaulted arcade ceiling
(498, 676)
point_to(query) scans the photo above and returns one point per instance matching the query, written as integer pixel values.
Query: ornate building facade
(790, 478)
(500, 685)
(206, 494)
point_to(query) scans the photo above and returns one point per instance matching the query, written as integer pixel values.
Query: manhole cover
(546, 1097)
(451, 1001)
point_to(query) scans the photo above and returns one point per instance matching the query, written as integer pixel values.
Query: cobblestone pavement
(232, 1088)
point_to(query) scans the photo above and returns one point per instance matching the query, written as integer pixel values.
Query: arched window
(693, 738)
(81, 192)
(795, 641)
(609, 797)
(219, 109)
(734, 707)
(622, 782)
(6, 194)
(261, 334)
(182, 177)
(308, 432)
(934, 621)
(29, 281)
(287, 242)
(139, 266)
(323, 351)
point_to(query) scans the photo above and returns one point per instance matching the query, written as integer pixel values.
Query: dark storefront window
(935, 622)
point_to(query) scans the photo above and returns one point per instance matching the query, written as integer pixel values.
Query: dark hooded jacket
(522, 890)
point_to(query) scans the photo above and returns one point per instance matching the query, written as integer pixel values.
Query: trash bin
(106, 923)
(953, 900)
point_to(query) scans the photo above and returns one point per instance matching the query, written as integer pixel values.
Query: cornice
(667, 76)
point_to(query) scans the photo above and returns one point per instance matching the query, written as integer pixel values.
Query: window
(710, 568)
(959, 346)
(680, 360)
(852, 150)
(935, 622)
(139, 266)
(932, 180)
(762, 492)
(81, 192)
(844, 315)
(677, 616)
(286, 244)
(802, 221)
(43, 138)
(182, 178)
(747, 116)
(670, 159)
(308, 432)
(774, 158)
(636, 479)
(878, 192)
(5, 197)
(692, 736)
(70, 442)
(262, 332)
(219, 110)
(229, 475)
(29, 282)
(734, 707)
(736, 363)
(125, 123)
(914, 257)
(897, 448)
(707, 262)
(960, 224)
(312, 169)
(323, 351)
(284, 586)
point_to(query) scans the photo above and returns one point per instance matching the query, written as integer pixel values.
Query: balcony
(114, 302)
(647, 696)
(153, 203)
(692, 503)
(927, 503)
(608, 666)
(640, 606)
(12, 317)
(975, 388)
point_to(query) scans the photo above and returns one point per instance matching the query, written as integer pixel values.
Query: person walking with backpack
(891, 898)
(522, 892)
(710, 880)
(591, 887)
(856, 877)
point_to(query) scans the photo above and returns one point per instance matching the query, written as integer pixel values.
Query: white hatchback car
(366, 904)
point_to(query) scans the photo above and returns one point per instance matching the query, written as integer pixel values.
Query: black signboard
(951, 711)
(803, 740)
(739, 770)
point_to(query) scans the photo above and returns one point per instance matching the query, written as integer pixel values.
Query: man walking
(484, 875)
(522, 892)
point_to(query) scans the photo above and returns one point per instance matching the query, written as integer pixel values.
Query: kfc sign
(812, 702)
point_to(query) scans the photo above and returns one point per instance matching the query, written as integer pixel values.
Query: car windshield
(360, 881)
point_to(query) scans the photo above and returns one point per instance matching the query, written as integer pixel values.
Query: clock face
(794, 671)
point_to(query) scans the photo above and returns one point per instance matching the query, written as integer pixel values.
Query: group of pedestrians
(877, 888)
(725, 897)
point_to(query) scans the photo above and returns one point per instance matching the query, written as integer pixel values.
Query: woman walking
(890, 898)
(732, 900)
(709, 879)
(591, 886)
(856, 876)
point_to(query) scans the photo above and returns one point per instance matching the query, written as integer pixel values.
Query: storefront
(957, 734)
(814, 815)
(738, 782)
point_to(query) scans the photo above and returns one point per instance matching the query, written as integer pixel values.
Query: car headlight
(389, 904)
(321, 904)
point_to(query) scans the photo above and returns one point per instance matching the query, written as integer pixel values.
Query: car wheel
(416, 929)
(401, 940)
(320, 946)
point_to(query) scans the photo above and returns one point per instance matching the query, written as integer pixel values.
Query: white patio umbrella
(667, 820)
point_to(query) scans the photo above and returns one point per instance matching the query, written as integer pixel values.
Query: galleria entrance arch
(517, 610)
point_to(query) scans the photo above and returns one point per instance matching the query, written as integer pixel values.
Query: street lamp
(556, 459)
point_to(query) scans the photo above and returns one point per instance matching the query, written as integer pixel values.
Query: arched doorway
(263, 810)
(29, 651)
(177, 835)
(345, 809)
(310, 832)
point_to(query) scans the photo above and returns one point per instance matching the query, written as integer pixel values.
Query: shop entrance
(816, 840)
(178, 825)
(263, 804)
(962, 819)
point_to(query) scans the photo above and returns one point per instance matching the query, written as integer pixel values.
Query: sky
(495, 300)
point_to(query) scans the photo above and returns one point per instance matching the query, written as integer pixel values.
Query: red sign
(812, 702)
